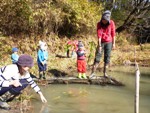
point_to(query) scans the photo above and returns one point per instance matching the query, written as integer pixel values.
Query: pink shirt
(73, 43)
(106, 33)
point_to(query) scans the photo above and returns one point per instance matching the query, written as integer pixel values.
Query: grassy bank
(122, 55)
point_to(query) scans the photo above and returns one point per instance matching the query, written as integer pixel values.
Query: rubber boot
(4, 99)
(40, 75)
(105, 71)
(8, 96)
(80, 75)
(93, 70)
(44, 75)
(84, 76)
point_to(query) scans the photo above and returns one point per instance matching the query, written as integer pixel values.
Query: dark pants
(42, 67)
(14, 90)
(106, 48)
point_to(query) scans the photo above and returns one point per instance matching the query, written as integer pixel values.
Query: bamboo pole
(137, 87)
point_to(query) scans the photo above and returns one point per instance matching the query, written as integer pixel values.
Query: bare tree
(142, 31)
(141, 9)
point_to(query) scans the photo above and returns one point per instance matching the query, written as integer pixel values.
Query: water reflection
(45, 108)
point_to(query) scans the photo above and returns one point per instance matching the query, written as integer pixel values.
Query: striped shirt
(80, 54)
(11, 72)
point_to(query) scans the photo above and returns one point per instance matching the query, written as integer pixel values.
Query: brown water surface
(77, 98)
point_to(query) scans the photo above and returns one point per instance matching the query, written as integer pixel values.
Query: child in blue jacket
(14, 56)
(42, 58)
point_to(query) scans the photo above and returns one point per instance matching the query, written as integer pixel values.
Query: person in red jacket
(71, 46)
(106, 41)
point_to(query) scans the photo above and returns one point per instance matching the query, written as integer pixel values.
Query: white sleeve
(32, 83)
(4, 83)
(6, 75)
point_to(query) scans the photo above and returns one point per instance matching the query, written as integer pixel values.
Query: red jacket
(106, 33)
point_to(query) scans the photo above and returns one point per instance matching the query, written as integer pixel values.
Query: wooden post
(137, 87)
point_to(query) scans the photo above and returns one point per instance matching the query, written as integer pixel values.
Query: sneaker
(40, 76)
(4, 105)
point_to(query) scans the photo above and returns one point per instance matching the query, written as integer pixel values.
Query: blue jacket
(14, 57)
(42, 56)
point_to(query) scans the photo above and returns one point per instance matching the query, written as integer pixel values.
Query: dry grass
(124, 52)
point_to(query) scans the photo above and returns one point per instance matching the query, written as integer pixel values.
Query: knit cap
(14, 49)
(80, 44)
(25, 61)
(43, 45)
(106, 15)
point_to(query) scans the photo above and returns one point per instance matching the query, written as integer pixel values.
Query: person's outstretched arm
(35, 87)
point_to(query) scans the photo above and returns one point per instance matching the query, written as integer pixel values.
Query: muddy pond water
(77, 98)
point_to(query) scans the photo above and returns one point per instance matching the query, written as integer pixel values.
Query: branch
(146, 2)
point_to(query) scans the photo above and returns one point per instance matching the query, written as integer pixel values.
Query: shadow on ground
(57, 73)
(61, 56)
